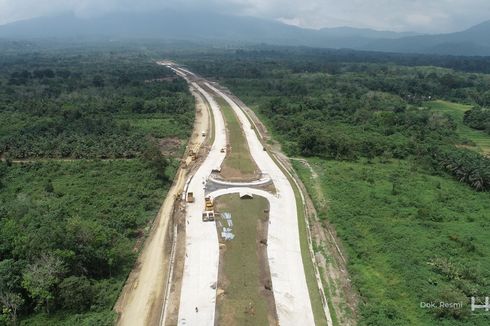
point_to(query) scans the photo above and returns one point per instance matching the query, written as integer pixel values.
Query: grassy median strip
(243, 298)
(238, 163)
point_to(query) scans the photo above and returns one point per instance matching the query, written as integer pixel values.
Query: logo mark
(485, 306)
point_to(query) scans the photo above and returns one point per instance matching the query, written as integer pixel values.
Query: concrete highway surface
(199, 283)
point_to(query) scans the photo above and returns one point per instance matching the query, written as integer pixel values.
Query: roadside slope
(140, 300)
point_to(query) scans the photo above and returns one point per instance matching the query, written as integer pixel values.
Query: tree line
(347, 108)
(79, 107)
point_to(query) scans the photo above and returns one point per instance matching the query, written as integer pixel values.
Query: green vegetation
(311, 281)
(416, 238)
(377, 135)
(467, 166)
(68, 233)
(348, 110)
(158, 127)
(238, 162)
(245, 300)
(472, 135)
(71, 224)
(84, 106)
(478, 118)
(391, 132)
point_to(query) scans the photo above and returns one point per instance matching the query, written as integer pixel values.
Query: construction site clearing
(237, 163)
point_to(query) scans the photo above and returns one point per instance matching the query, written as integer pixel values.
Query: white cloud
(413, 15)
(419, 19)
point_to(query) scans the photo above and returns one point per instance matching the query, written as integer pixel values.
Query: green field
(238, 162)
(243, 301)
(410, 238)
(88, 216)
(480, 140)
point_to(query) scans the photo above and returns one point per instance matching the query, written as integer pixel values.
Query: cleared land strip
(338, 309)
(200, 276)
(140, 301)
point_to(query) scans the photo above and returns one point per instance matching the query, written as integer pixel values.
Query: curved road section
(198, 295)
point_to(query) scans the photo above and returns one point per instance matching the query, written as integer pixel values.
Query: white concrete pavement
(283, 246)
(202, 250)
(265, 179)
(198, 294)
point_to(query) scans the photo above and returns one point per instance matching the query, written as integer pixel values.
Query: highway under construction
(234, 161)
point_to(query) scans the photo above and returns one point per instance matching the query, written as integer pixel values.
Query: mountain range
(213, 27)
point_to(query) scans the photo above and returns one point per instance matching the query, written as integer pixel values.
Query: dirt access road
(140, 302)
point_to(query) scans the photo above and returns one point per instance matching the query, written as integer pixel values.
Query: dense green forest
(87, 106)
(374, 133)
(345, 110)
(84, 140)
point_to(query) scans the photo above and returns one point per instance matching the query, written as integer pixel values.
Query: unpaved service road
(141, 300)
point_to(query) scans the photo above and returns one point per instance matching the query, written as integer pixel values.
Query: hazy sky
(401, 15)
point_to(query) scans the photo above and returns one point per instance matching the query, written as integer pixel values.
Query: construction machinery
(193, 155)
(208, 205)
(207, 216)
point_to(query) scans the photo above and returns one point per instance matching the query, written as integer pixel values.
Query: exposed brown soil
(156, 80)
(170, 146)
(140, 301)
(176, 282)
(201, 145)
(265, 274)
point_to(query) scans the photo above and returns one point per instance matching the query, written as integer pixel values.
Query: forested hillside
(372, 133)
(89, 142)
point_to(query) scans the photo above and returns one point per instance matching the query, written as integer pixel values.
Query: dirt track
(140, 302)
